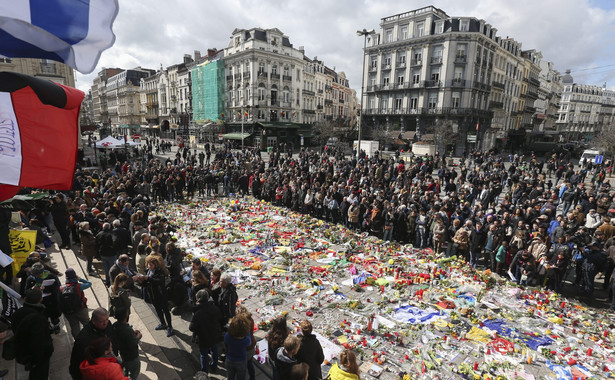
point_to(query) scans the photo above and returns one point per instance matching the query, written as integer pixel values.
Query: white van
(589, 155)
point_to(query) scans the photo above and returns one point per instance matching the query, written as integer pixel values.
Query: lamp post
(365, 33)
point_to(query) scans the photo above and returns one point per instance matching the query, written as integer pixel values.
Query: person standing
(478, 239)
(99, 362)
(310, 351)
(285, 356)
(38, 275)
(59, 213)
(156, 288)
(88, 246)
(98, 327)
(73, 301)
(106, 250)
(206, 327)
(127, 343)
(237, 340)
(32, 335)
(227, 300)
(346, 369)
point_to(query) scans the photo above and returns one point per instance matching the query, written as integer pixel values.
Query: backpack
(70, 300)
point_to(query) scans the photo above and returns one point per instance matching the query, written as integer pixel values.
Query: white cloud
(572, 33)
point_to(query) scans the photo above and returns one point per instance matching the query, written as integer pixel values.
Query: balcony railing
(308, 92)
(275, 76)
(498, 84)
(457, 82)
(287, 78)
(446, 111)
(386, 66)
(400, 64)
(432, 83)
(416, 62)
(436, 60)
(493, 104)
(262, 74)
(460, 58)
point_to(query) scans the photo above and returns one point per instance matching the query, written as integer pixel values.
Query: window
(389, 35)
(464, 25)
(398, 103)
(274, 69)
(384, 103)
(439, 27)
(420, 29)
(385, 81)
(461, 50)
(372, 103)
(261, 67)
(455, 100)
(401, 58)
(404, 33)
(435, 75)
(458, 73)
(387, 61)
(414, 103)
(261, 92)
(298, 96)
(237, 41)
(374, 62)
(433, 101)
(418, 57)
(400, 80)
(416, 77)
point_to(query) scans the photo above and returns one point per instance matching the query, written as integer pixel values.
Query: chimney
(302, 50)
(197, 55)
(187, 58)
(211, 52)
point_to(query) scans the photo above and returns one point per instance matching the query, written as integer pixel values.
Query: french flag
(38, 133)
(74, 32)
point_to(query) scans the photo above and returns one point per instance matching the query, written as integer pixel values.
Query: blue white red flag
(74, 32)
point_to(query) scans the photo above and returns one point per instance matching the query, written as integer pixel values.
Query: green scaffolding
(208, 91)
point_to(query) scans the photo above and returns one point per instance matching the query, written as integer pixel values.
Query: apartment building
(122, 93)
(427, 71)
(40, 68)
(585, 110)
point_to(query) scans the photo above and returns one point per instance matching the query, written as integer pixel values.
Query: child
(347, 369)
(237, 341)
(285, 356)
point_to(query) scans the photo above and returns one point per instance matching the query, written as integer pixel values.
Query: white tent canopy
(109, 143)
(130, 142)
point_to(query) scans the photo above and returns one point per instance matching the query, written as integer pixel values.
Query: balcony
(498, 84)
(373, 68)
(416, 62)
(328, 87)
(285, 104)
(341, 101)
(493, 104)
(457, 82)
(460, 58)
(532, 94)
(401, 64)
(386, 66)
(237, 76)
(308, 92)
(229, 77)
(436, 111)
(432, 83)
(328, 102)
(535, 81)
(287, 78)
(481, 86)
(262, 74)
(275, 76)
(319, 107)
(309, 112)
(436, 60)
(320, 91)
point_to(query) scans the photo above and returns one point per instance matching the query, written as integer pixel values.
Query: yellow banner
(23, 242)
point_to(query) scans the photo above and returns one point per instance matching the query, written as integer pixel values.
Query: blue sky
(574, 34)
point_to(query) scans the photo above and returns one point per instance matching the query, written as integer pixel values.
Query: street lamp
(365, 33)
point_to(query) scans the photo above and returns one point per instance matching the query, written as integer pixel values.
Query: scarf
(124, 268)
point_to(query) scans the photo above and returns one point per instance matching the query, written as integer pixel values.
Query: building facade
(122, 93)
(40, 68)
(585, 110)
(430, 73)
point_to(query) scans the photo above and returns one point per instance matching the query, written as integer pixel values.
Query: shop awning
(408, 135)
(236, 136)
(279, 125)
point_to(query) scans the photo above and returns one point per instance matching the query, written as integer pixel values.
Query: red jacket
(106, 368)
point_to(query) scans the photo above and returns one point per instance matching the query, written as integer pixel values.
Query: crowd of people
(535, 222)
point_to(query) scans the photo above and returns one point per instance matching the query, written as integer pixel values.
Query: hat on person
(37, 269)
(173, 238)
(70, 274)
